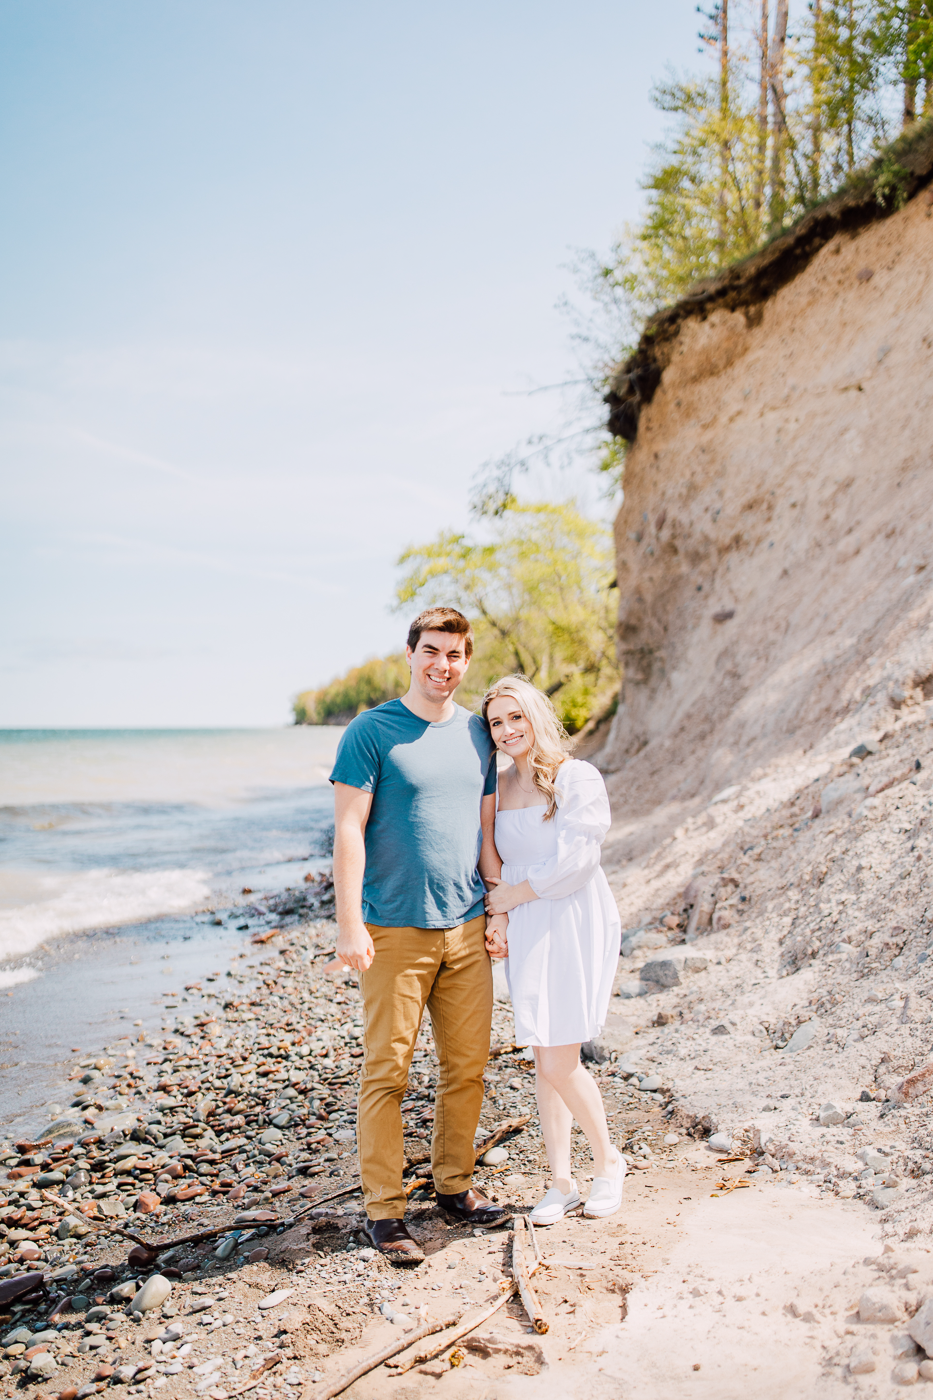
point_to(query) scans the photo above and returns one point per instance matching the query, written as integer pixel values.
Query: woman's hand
(497, 937)
(503, 897)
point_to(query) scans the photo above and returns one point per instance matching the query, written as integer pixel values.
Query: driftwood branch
(511, 1125)
(257, 1375)
(453, 1337)
(371, 1362)
(522, 1276)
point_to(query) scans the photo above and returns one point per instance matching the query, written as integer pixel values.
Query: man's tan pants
(447, 970)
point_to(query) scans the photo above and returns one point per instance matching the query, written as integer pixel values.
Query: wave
(100, 899)
(15, 975)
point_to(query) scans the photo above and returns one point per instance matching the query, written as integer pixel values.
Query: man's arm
(490, 865)
(351, 813)
(490, 868)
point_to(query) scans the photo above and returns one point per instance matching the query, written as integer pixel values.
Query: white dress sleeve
(582, 821)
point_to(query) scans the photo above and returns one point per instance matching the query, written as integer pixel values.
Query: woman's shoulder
(576, 771)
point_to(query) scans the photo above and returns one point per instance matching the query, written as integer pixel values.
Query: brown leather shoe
(472, 1208)
(392, 1239)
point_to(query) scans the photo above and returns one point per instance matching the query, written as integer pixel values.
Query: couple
(422, 832)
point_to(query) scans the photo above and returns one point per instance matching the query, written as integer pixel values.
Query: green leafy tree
(539, 594)
(380, 679)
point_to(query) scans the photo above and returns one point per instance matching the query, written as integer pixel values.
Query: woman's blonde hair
(547, 751)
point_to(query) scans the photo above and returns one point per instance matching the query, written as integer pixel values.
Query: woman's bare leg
(556, 1122)
(561, 1079)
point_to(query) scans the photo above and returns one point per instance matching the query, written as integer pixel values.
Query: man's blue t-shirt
(423, 836)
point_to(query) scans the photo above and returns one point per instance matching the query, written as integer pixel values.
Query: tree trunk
(816, 123)
(762, 111)
(724, 120)
(910, 74)
(778, 126)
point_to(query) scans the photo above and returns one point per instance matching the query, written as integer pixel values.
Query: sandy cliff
(775, 540)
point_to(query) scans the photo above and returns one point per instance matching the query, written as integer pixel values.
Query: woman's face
(511, 731)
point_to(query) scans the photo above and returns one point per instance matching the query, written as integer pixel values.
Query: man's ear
(408, 655)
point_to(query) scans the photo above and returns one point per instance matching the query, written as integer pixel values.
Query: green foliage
(380, 679)
(776, 130)
(539, 594)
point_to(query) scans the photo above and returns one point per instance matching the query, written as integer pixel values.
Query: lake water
(114, 845)
(102, 829)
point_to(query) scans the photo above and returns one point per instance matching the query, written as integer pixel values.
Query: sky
(274, 283)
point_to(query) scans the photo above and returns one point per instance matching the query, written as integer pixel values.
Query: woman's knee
(556, 1068)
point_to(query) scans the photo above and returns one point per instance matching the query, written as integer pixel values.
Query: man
(414, 786)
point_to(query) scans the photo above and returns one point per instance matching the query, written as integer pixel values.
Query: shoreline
(246, 1104)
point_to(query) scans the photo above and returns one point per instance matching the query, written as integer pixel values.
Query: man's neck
(433, 711)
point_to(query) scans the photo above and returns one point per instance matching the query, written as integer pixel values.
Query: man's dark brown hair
(442, 620)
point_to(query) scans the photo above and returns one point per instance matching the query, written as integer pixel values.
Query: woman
(562, 944)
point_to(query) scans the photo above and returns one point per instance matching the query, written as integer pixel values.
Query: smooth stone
(17, 1336)
(885, 1196)
(650, 1085)
(281, 1120)
(225, 1248)
(635, 987)
(495, 1157)
(124, 1291)
(862, 1362)
(43, 1365)
(720, 1142)
(270, 1135)
(50, 1178)
(47, 1335)
(273, 1300)
(830, 1116)
(152, 1294)
(905, 1373)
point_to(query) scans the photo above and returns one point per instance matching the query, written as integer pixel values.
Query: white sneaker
(554, 1205)
(606, 1192)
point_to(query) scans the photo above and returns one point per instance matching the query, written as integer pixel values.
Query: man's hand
(497, 936)
(354, 949)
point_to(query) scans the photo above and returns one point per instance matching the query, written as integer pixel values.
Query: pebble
(153, 1294)
(802, 1038)
(862, 1361)
(720, 1142)
(495, 1157)
(925, 1370)
(273, 1299)
(671, 1140)
(43, 1365)
(650, 1084)
(830, 1115)
(905, 1373)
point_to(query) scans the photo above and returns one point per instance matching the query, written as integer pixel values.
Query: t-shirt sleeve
(492, 775)
(358, 756)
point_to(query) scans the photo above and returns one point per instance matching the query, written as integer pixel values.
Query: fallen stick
(523, 1278)
(257, 1375)
(511, 1125)
(506, 1048)
(451, 1340)
(324, 1200)
(371, 1362)
(156, 1246)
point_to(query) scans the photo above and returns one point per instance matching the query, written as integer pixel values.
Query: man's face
(438, 665)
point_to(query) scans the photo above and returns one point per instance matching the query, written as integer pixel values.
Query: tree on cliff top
(539, 594)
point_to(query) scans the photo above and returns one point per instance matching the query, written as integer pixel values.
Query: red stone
(27, 1250)
(69, 1393)
(188, 1193)
(147, 1202)
(103, 1373)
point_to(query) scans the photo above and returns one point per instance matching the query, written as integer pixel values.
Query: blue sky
(271, 277)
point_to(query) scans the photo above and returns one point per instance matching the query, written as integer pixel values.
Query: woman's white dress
(564, 945)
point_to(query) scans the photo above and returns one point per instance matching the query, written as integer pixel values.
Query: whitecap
(99, 899)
